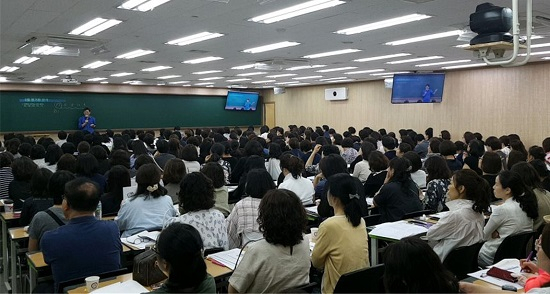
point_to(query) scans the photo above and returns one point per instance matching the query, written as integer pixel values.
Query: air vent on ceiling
(198, 51)
(418, 1)
(279, 64)
(147, 61)
(72, 42)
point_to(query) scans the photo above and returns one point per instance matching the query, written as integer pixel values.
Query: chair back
(367, 280)
(62, 287)
(372, 220)
(417, 214)
(463, 260)
(514, 246)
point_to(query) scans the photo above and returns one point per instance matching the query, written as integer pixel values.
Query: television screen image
(417, 88)
(245, 101)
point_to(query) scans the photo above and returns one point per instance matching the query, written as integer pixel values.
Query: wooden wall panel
(492, 101)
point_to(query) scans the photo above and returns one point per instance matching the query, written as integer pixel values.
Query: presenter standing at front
(87, 122)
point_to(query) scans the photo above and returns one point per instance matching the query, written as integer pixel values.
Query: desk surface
(37, 258)
(18, 233)
(107, 282)
(8, 216)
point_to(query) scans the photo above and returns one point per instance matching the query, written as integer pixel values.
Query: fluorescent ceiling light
(443, 63)
(194, 38)
(462, 46)
(135, 53)
(465, 66)
(381, 57)
(299, 84)
(246, 66)
(270, 47)
(540, 45)
(383, 24)
(252, 74)
(178, 82)
(3, 79)
(37, 81)
(295, 10)
(206, 72)
(546, 58)
(142, 5)
(238, 80)
(68, 72)
(332, 53)
(96, 64)
(425, 38)
(9, 69)
(306, 67)
(341, 81)
(264, 82)
(132, 82)
(388, 73)
(337, 69)
(363, 71)
(96, 79)
(333, 79)
(307, 78)
(46, 49)
(535, 53)
(122, 74)
(169, 77)
(156, 68)
(287, 83)
(48, 77)
(201, 60)
(26, 60)
(211, 79)
(94, 26)
(414, 59)
(204, 84)
(104, 82)
(281, 75)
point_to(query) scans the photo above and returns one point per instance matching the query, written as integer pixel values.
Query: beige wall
(492, 101)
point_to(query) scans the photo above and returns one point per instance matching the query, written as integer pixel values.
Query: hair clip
(351, 196)
(152, 188)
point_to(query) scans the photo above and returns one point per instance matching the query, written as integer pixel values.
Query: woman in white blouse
(468, 199)
(292, 167)
(514, 216)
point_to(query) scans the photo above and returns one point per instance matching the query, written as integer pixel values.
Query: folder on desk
(227, 258)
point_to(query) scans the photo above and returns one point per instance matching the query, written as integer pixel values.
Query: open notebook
(130, 286)
(227, 258)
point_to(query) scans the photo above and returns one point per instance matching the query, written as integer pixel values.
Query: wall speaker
(388, 83)
(336, 94)
(279, 90)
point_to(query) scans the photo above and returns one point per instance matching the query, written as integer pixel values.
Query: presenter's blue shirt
(91, 121)
(427, 96)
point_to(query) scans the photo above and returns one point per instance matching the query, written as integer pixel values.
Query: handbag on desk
(145, 271)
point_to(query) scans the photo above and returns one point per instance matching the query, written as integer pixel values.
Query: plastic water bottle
(98, 212)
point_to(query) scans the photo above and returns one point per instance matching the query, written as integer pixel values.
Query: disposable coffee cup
(92, 283)
(314, 234)
(8, 207)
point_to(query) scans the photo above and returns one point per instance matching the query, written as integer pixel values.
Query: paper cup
(314, 234)
(8, 207)
(92, 283)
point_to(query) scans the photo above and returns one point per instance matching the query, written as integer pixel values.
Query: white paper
(148, 239)
(312, 209)
(130, 286)
(227, 258)
(511, 265)
(440, 214)
(128, 192)
(149, 235)
(397, 230)
(370, 201)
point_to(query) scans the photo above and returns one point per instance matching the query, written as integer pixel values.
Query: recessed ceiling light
(202, 60)
(465, 66)
(270, 47)
(68, 72)
(296, 10)
(252, 74)
(462, 46)
(122, 74)
(169, 77)
(178, 82)
(94, 26)
(305, 67)
(287, 83)
(135, 53)
(414, 59)
(204, 84)
(141, 5)
(104, 82)
(546, 58)
(194, 38)
(341, 81)
(46, 49)
(9, 69)
(381, 57)
(156, 68)
(332, 79)
(337, 69)
(332, 53)
(307, 78)
(37, 81)
(26, 60)
(238, 80)
(211, 79)
(425, 38)
(383, 24)
(246, 66)
(96, 64)
(3, 79)
(96, 79)
(388, 73)
(206, 72)
(363, 71)
(281, 75)
(443, 63)
(48, 77)
(264, 82)
(132, 82)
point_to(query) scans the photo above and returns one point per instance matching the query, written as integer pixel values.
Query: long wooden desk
(9, 219)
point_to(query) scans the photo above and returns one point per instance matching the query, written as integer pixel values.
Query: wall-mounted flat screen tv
(417, 88)
(245, 101)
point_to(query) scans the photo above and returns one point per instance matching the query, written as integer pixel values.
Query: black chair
(307, 288)
(367, 280)
(463, 260)
(514, 246)
(64, 286)
(372, 220)
(417, 214)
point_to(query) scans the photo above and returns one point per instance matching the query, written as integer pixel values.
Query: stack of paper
(141, 240)
(511, 265)
(397, 230)
(227, 258)
(130, 286)
(311, 209)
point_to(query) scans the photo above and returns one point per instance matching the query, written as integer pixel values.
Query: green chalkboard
(49, 111)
